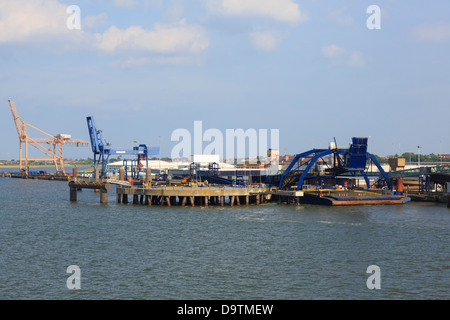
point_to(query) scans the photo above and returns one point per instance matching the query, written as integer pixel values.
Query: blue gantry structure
(102, 150)
(332, 166)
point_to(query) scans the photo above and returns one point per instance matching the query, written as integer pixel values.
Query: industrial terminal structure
(329, 176)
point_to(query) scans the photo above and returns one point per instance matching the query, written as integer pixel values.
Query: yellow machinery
(52, 147)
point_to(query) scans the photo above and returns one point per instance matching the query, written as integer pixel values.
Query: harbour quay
(193, 195)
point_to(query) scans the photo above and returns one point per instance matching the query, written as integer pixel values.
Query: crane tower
(51, 146)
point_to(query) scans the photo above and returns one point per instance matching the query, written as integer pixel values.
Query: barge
(341, 197)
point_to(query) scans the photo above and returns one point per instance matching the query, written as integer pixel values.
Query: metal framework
(56, 143)
(213, 169)
(346, 163)
(194, 171)
(102, 150)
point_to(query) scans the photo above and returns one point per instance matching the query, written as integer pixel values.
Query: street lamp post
(418, 148)
(159, 154)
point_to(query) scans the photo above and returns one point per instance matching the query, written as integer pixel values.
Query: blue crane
(346, 163)
(102, 149)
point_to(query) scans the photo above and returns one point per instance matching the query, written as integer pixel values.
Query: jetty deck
(193, 195)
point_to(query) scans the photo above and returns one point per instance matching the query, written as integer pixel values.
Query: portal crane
(346, 163)
(102, 149)
(55, 153)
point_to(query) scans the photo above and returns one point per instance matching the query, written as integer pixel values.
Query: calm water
(257, 252)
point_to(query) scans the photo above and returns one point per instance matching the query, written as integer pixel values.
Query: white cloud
(281, 10)
(356, 60)
(45, 21)
(333, 51)
(265, 40)
(438, 32)
(125, 3)
(94, 21)
(173, 38)
(340, 56)
(31, 21)
(141, 61)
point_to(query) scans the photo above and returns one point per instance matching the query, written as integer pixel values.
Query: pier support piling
(78, 185)
(73, 194)
(148, 175)
(103, 196)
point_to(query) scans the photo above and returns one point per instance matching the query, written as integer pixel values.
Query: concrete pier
(96, 185)
(193, 195)
(438, 197)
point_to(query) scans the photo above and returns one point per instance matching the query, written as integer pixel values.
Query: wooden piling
(96, 185)
(73, 194)
(103, 196)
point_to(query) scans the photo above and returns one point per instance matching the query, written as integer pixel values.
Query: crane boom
(21, 131)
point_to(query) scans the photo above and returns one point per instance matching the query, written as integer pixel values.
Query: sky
(314, 70)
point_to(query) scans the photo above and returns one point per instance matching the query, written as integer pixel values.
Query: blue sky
(311, 69)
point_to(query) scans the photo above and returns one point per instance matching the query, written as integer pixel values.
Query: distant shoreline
(43, 166)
